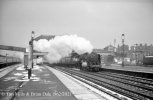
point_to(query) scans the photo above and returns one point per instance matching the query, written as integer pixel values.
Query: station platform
(143, 69)
(77, 88)
(46, 83)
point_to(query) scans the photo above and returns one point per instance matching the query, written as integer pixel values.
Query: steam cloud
(62, 46)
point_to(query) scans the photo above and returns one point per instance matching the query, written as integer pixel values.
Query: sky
(99, 21)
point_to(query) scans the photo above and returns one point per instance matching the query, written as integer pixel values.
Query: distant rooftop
(47, 37)
(101, 51)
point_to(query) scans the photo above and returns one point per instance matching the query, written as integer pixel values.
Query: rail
(130, 90)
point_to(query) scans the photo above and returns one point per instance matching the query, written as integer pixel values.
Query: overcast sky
(99, 21)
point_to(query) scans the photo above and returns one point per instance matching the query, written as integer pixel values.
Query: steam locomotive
(86, 62)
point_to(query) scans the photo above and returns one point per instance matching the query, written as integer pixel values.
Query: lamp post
(136, 56)
(123, 38)
(30, 55)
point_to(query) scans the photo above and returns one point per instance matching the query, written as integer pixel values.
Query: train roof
(149, 56)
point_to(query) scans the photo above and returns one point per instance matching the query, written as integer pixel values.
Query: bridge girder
(12, 48)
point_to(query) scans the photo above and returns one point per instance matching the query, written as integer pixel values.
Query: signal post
(30, 57)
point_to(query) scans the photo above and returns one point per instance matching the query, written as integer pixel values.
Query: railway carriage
(5, 61)
(148, 60)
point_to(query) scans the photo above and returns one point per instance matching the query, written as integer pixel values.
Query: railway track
(132, 88)
(114, 95)
(3, 65)
(149, 80)
(133, 81)
(129, 77)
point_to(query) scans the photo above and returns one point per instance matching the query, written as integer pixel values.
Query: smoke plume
(62, 46)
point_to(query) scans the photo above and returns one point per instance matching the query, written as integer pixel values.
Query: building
(140, 50)
(120, 49)
(104, 53)
(109, 48)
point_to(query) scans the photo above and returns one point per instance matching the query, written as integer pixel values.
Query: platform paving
(43, 85)
(46, 83)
